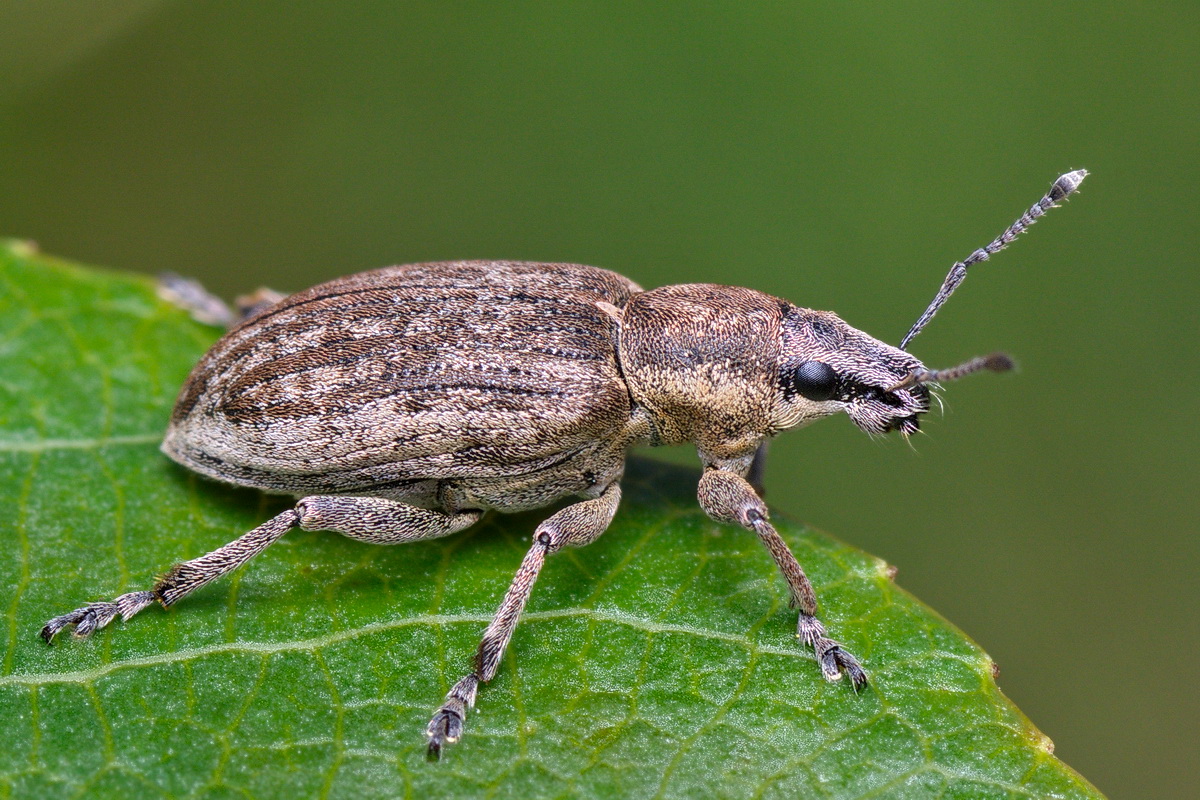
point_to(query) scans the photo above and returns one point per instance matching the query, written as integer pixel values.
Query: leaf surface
(659, 662)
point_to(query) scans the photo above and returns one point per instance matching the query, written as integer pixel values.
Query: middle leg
(574, 526)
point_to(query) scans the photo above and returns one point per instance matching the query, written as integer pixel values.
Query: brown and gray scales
(401, 404)
(488, 384)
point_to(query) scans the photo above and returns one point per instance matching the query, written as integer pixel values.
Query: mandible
(402, 404)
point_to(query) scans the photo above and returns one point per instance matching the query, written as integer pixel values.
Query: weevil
(402, 404)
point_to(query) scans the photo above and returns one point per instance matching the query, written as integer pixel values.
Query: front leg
(756, 474)
(727, 497)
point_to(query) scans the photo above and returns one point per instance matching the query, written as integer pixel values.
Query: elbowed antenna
(996, 362)
(1059, 191)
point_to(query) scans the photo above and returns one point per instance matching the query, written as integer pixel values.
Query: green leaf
(659, 662)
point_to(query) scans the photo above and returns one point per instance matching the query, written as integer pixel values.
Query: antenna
(996, 362)
(1062, 187)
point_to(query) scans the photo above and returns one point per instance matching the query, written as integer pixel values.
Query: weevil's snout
(876, 409)
(917, 381)
(912, 391)
(914, 402)
(828, 366)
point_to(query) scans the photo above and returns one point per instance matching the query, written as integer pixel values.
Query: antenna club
(1066, 184)
(998, 362)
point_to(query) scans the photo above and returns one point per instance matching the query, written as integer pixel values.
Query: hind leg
(368, 519)
(204, 306)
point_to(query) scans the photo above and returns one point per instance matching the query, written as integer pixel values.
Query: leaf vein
(42, 445)
(317, 642)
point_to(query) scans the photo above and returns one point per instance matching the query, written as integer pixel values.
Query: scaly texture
(659, 662)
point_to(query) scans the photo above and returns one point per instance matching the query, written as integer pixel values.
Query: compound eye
(815, 380)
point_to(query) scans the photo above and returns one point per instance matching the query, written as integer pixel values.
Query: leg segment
(758, 469)
(727, 497)
(379, 521)
(369, 519)
(260, 299)
(191, 296)
(574, 526)
(204, 306)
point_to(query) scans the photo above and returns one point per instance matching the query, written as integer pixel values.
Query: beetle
(403, 403)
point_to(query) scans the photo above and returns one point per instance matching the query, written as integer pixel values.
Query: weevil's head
(826, 366)
(723, 367)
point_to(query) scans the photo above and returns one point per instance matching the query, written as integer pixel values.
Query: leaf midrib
(336, 637)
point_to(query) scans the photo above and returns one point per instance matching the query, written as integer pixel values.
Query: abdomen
(418, 373)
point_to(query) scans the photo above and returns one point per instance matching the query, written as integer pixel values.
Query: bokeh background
(841, 157)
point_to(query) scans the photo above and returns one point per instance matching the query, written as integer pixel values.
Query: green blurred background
(840, 157)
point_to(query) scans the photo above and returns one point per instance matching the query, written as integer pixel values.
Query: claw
(98, 615)
(447, 724)
(85, 626)
(858, 677)
(831, 656)
(86, 620)
(90, 618)
(827, 657)
(53, 627)
(445, 728)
